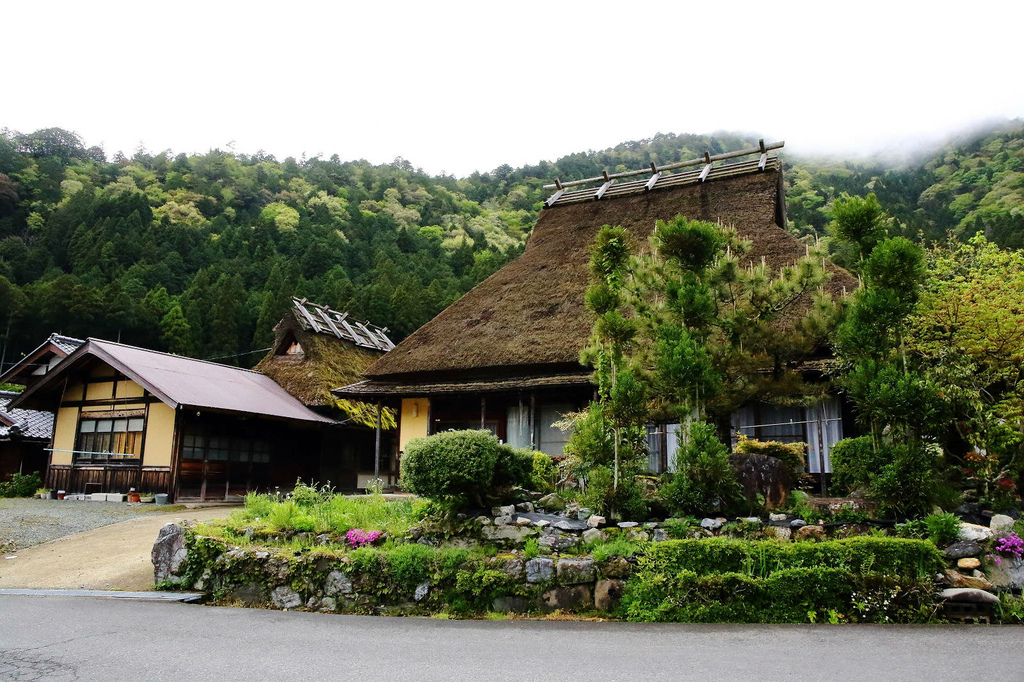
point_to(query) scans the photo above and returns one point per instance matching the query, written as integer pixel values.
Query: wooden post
(533, 421)
(376, 447)
(519, 425)
(483, 412)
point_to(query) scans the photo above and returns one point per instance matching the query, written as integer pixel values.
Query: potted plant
(42, 493)
(147, 498)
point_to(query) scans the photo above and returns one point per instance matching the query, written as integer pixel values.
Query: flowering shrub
(357, 537)
(1009, 544)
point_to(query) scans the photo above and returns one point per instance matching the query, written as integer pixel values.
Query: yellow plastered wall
(159, 436)
(414, 420)
(74, 392)
(129, 389)
(64, 435)
(101, 391)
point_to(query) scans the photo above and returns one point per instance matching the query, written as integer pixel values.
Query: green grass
(316, 510)
(620, 546)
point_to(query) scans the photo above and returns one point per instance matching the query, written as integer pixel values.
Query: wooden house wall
(25, 457)
(101, 391)
(203, 473)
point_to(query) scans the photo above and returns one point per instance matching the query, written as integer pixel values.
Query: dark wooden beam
(376, 447)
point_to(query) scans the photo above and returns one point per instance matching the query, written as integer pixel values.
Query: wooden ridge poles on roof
(327, 321)
(658, 172)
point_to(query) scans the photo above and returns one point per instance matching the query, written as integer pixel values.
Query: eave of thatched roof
(369, 389)
(531, 312)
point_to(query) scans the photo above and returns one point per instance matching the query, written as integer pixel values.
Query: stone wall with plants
(404, 579)
(703, 578)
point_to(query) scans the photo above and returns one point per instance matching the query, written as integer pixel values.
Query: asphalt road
(63, 638)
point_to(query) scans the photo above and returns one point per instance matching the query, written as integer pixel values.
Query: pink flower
(357, 537)
(1010, 543)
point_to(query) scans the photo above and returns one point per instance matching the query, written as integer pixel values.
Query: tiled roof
(17, 423)
(35, 364)
(66, 343)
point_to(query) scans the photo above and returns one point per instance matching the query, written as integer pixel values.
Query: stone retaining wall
(320, 581)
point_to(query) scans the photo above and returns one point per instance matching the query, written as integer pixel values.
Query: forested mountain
(200, 254)
(968, 187)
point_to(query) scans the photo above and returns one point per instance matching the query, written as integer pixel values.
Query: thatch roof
(325, 362)
(531, 312)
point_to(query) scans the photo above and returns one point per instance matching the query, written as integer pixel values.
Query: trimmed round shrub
(453, 464)
(514, 467)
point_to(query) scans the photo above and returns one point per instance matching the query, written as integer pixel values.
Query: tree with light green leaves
(968, 330)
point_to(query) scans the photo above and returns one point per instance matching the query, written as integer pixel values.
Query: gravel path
(115, 556)
(27, 522)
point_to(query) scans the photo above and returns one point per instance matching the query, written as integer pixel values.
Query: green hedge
(792, 595)
(890, 556)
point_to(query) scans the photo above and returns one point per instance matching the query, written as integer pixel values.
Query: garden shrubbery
(790, 454)
(724, 580)
(21, 485)
(456, 466)
(892, 556)
(705, 480)
(904, 479)
(793, 595)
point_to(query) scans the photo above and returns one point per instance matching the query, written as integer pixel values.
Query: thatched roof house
(506, 355)
(316, 349)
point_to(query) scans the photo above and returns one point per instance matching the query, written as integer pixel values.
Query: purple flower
(1010, 543)
(357, 537)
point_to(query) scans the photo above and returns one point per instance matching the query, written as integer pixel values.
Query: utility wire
(237, 355)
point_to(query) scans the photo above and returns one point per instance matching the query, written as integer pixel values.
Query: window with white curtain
(662, 444)
(517, 427)
(819, 422)
(551, 440)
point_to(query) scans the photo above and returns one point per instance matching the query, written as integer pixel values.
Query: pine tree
(175, 332)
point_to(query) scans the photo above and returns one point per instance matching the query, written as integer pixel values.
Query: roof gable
(325, 360)
(180, 381)
(41, 360)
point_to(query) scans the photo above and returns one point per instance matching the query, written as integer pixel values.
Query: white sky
(463, 86)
